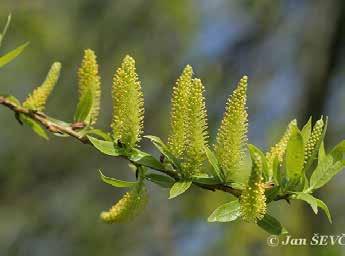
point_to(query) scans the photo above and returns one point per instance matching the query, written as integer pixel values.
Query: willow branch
(72, 130)
(45, 120)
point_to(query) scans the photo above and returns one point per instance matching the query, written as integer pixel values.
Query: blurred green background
(50, 194)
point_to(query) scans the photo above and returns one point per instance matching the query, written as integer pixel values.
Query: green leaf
(325, 171)
(324, 207)
(226, 212)
(338, 152)
(314, 203)
(99, 133)
(277, 174)
(271, 193)
(205, 179)
(159, 144)
(179, 187)
(8, 57)
(84, 106)
(271, 225)
(35, 126)
(13, 100)
(322, 153)
(309, 199)
(161, 180)
(268, 175)
(236, 185)
(115, 182)
(145, 159)
(106, 147)
(306, 131)
(294, 159)
(2, 35)
(214, 162)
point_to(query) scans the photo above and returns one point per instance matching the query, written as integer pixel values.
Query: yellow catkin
(128, 207)
(313, 140)
(197, 136)
(278, 150)
(128, 104)
(179, 113)
(253, 200)
(88, 79)
(232, 135)
(188, 135)
(38, 98)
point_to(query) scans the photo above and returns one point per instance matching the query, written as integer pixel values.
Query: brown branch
(72, 130)
(44, 120)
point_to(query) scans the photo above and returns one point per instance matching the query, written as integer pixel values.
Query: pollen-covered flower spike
(253, 200)
(278, 150)
(38, 98)
(128, 207)
(89, 79)
(188, 136)
(128, 104)
(232, 135)
(179, 113)
(313, 140)
(196, 130)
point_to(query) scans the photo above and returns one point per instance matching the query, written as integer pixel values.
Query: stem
(72, 130)
(44, 120)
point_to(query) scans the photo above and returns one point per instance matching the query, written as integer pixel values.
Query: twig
(72, 131)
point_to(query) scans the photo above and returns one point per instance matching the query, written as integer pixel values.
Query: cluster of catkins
(188, 136)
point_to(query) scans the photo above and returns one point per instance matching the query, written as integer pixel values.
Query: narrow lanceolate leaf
(84, 106)
(324, 207)
(159, 144)
(145, 159)
(253, 200)
(294, 160)
(226, 212)
(117, 183)
(204, 178)
(180, 113)
(325, 171)
(129, 206)
(215, 165)
(307, 129)
(278, 150)
(105, 147)
(35, 126)
(338, 152)
(309, 199)
(99, 133)
(128, 104)
(314, 203)
(271, 225)
(89, 82)
(232, 134)
(4, 30)
(196, 131)
(265, 171)
(322, 153)
(12, 99)
(8, 57)
(38, 98)
(179, 187)
(161, 180)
